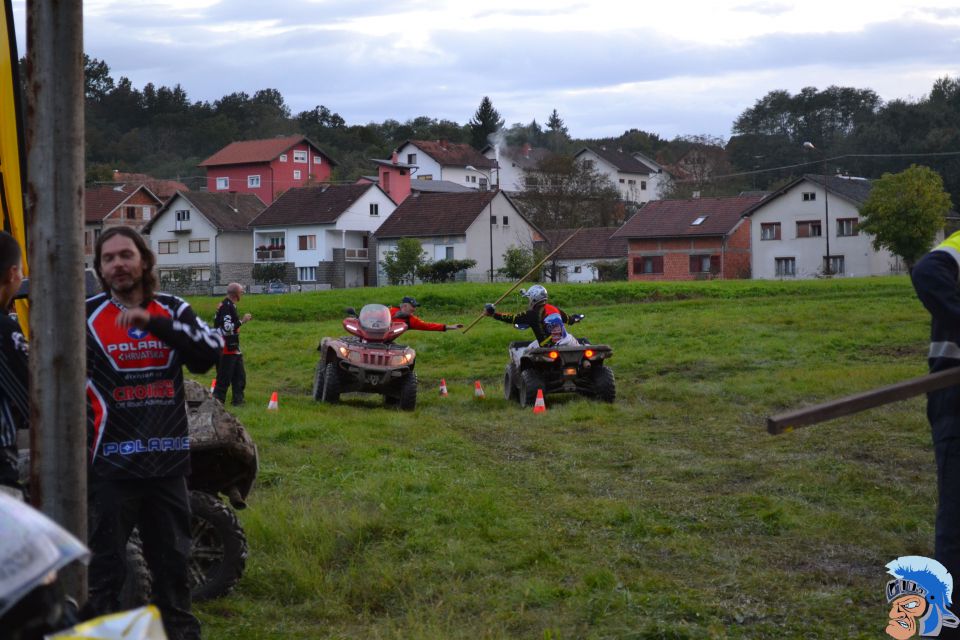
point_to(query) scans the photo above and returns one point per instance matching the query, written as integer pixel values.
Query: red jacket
(413, 322)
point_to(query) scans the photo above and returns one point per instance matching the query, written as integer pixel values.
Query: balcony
(273, 254)
(358, 255)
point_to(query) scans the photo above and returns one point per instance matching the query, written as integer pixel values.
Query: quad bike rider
(556, 362)
(367, 361)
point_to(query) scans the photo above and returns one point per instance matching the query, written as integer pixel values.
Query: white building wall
(426, 166)
(860, 258)
(196, 228)
(632, 188)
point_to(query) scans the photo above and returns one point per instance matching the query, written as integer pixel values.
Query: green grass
(669, 514)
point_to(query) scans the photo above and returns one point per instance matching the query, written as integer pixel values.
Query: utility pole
(54, 137)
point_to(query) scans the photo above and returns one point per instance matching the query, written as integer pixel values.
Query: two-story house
(793, 226)
(322, 234)
(631, 177)
(515, 164)
(472, 225)
(205, 235)
(267, 168)
(110, 205)
(444, 160)
(689, 239)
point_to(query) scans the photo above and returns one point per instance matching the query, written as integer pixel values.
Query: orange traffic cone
(273, 404)
(443, 388)
(478, 390)
(213, 386)
(539, 406)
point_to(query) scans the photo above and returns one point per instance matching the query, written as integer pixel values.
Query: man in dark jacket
(13, 364)
(537, 309)
(404, 313)
(935, 279)
(230, 370)
(139, 448)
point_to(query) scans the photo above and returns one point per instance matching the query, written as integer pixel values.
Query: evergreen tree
(557, 134)
(486, 121)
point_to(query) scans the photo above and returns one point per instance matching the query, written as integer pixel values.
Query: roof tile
(435, 214)
(675, 218)
(311, 205)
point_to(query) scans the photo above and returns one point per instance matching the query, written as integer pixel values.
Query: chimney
(393, 158)
(526, 149)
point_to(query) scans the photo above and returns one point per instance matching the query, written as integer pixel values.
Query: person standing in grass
(935, 278)
(230, 370)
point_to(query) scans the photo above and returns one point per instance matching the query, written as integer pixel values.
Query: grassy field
(669, 514)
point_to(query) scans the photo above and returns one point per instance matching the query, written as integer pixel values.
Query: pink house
(268, 167)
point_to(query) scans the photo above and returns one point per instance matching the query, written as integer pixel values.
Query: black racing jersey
(935, 279)
(136, 415)
(227, 323)
(533, 318)
(13, 380)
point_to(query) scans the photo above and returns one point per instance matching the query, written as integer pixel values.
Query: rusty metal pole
(55, 173)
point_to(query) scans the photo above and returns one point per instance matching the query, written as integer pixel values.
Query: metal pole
(491, 239)
(54, 135)
(826, 216)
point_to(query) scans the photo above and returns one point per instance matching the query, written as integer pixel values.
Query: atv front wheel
(318, 382)
(331, 383)
(509, 384)
(218, 554)
(408, 392)
(605, 385)
(530, 381)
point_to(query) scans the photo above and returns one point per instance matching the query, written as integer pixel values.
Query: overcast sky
(672, 67)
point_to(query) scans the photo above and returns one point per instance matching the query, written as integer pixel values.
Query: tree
(402, 264)
(557, 132)
(904, 212)
(517, 261)
(486, 121)
(444, 270)
(563, 192)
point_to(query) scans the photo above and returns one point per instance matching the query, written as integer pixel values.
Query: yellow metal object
(11, 147)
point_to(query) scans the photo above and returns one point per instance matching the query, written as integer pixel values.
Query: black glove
(489, 309)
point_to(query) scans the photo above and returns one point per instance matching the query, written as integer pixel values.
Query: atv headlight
(354, 356)
(403, 359)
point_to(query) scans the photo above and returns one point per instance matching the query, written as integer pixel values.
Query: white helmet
(535, 295)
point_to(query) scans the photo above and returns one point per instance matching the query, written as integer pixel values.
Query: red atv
(367, 361)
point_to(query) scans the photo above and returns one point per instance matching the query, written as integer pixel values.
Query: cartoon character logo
(919, 597)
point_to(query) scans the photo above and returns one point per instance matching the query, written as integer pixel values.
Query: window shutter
(714, 264)
(776, 231)
(694, 264)
(803, 230)
(658, 264)
(303, 243)
(638, 265)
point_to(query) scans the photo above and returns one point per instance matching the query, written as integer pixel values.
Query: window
(621, 180)
(131, 213)
(306, 243)
(704, 264)
(630, 181)
(809, 196)
(168, 246)
(493, 221)
(283, 157)
(183, 215)
(785, 267)
(307, 274)
(506, 221)
(577, 269)
(833, 264)
(199, 246)
(643, 185)
(846, 227)
(317, 159)
(275, 241)
(770, 231)
(448, 253)
(200, 275)
(300, 156)
(223, 183)
(698, 221)
(374, 209)
(483, 184)
(648, 264)
(297, 174)
(411, 158)
(809, 229)
(426, 176)
(253, 182)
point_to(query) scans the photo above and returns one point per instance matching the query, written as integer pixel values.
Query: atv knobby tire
(138, 583)
(318, 382)
(605, 385)
(219, 551)
(509, 383)
(331, 383)
(408, 392)
(530, 381)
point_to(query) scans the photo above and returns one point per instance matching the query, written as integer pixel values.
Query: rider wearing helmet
(537, 310)
(558, 336)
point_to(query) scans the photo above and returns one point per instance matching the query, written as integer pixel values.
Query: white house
(660, 178)
(791, 228)
(474, 225)
(634, 179)
(322, 233)
(443, 160)
(514, 164)
(206, 233)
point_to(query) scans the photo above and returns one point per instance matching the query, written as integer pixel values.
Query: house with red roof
(267, 168)
(444, 160)
(473, 225)
(163, 189)
(206, 236)
(689, 239)
(577, 259)
(108, 205)
(322, 234)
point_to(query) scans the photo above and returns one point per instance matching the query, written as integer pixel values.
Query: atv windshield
(375, 318)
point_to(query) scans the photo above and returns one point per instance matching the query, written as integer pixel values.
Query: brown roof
(163, 189)
(588, 243)
(225, 211)
(100, 200)
(622, 161)
(449, 154)
(311, 205)
(435, 214)
(675, 218)
(247, 151)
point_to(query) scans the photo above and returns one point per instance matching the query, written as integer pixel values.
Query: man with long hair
(138, 341)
